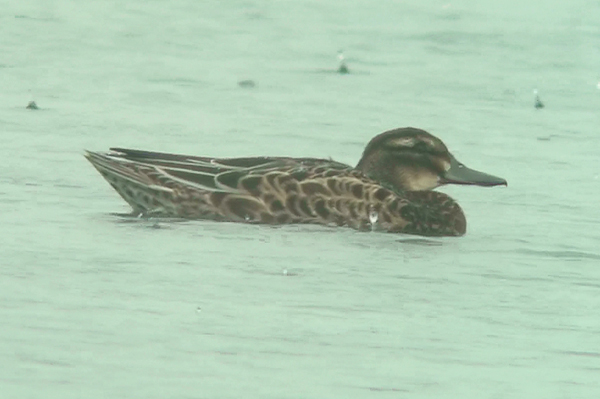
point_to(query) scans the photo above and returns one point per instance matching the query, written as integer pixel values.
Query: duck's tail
(135, 183)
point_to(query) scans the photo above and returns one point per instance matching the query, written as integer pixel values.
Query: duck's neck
(380, 169)
(377, 168)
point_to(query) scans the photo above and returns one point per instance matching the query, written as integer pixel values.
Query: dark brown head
(411, 159)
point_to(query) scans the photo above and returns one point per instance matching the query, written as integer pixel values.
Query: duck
(391, 189)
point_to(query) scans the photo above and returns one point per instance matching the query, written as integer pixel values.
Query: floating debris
(247, 84)
(343, 68)
(287, 273)
(32, 105)
(538, 103)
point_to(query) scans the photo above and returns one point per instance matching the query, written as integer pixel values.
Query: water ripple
(570, 255)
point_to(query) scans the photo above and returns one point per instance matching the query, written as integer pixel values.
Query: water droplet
(373, 218)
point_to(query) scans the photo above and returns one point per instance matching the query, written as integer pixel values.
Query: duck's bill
(460, 174)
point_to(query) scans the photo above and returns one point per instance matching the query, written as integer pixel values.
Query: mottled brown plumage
(389, 190)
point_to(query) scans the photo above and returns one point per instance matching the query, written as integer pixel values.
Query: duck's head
(414, 160)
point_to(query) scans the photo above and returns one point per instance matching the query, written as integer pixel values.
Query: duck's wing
(203, 187)
(221, 174)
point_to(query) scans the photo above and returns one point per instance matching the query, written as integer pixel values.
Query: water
(96, 306)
